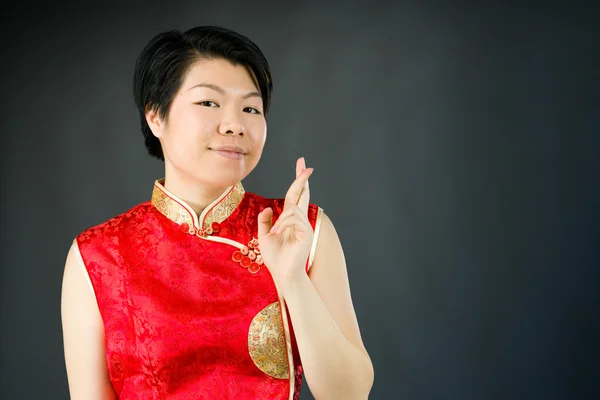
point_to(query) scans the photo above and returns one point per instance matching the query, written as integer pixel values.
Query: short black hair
(161, 67)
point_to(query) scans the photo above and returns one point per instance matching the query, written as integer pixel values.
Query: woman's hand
(286, 245)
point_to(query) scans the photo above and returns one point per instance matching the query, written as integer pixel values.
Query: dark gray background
(456, 149)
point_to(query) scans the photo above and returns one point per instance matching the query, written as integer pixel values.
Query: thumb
(265, 221)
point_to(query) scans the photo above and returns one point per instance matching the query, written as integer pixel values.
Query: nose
(232, 125)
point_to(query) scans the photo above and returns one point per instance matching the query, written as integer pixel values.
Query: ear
(154, 121)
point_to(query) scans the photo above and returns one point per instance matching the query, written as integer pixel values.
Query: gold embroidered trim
(83, 267)
(313, 248)
(225, 206)
(178, 211)
(267, 342)
(288, 342)
(170, 208)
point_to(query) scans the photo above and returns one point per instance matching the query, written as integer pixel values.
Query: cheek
(258, 143)
(193, 126)
(196, 122)
(260, 135)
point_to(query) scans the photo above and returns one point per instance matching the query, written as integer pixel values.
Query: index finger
(305, 196)
(299, 190)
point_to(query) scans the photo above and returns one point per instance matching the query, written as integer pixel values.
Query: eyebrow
(222, 91)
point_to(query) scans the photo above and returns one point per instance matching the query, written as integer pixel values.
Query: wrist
(292, 283)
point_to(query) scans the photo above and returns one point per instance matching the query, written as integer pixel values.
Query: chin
(224, 179)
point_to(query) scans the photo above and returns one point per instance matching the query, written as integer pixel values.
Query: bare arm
(83, 334)
(336, 364)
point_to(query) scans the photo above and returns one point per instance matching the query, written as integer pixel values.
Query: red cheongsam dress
(189, 309)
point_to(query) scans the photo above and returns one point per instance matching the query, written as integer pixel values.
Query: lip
(231, 149)
(231, 152)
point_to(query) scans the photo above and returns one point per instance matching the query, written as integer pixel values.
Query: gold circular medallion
(266, 342)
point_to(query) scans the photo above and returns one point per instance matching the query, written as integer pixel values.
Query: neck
(198, 196)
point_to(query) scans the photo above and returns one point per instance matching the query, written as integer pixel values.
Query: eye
(207, 103)
(251, 110)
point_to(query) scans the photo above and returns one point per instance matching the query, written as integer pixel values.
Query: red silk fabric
(177, 309)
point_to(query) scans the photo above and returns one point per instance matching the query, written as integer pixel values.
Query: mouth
(231, 152)
(229, 149)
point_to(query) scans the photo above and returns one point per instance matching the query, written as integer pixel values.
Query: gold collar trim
(178, 211)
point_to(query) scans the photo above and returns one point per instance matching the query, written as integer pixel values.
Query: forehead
(220, 72)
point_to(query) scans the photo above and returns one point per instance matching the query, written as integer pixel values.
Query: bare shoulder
(83, 333)
(75, 278)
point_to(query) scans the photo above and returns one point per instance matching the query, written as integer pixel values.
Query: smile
(232, 154)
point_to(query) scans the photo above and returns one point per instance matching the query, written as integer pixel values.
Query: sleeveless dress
(189, 309)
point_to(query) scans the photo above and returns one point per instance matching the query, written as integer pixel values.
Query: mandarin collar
(179, 212)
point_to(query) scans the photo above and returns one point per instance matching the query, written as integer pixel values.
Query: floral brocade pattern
(224, 208)
(175, 210)
(178, 312)
(266, 342)
(170, 208)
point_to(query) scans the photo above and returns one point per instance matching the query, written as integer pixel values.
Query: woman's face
(216, 129)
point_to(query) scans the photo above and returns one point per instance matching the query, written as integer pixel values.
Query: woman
(208, 291)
